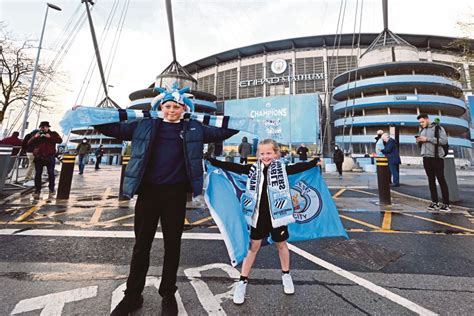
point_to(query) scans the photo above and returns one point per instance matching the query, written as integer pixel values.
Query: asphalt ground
(71, 258)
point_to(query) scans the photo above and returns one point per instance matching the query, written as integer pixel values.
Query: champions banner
(316, 214)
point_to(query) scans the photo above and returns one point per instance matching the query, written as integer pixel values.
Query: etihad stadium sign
(282, 79)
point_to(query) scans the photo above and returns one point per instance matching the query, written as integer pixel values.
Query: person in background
(302, 151)
(16, 143)
(338, 157)
(245, 149)
(99, 153)
(379, 145)
(28, 150)
(391, 152)
(431, 145)
(44, 149)
(83, 150)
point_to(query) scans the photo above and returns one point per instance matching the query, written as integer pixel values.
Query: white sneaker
(288, 286)
(239, 292)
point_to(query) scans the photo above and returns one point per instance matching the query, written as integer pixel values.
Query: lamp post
(30, 94)
(290, 70)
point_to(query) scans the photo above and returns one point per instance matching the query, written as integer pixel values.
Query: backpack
(445, 147)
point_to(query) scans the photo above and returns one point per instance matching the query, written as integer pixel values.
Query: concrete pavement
(71, 257)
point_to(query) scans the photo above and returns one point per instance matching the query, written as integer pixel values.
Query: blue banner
(316, 214)
(273, 114)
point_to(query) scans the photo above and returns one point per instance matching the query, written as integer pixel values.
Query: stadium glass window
(206, 84)
(310, 65)
(251, 72)
(226, 88)
(338, 65)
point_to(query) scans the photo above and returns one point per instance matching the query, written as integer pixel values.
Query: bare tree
(465, 44)
(16, 66)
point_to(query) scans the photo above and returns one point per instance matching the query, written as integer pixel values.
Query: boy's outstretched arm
(120, 131)
(230, 166)
(302, 166)
(214, 134)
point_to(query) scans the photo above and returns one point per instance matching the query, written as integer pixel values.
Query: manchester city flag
(315, 212)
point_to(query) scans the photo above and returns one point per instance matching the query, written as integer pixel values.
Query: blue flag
(315, 213)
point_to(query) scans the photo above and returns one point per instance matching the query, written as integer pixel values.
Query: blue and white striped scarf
(278, 190)
(89, 116)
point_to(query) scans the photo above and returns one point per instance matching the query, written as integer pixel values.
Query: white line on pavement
(99, 233)
(363, 282)
(214, 236)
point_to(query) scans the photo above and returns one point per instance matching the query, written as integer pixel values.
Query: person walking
(338, 157)
(44, 149)
(245, 149)
(83, 150)
(302, 151)
(99, 153)
(431, 140)
(391, 152)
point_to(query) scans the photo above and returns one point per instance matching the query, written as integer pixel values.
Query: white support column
(293, 61)
(239, 63)
(469, 82)
(264, 74)
(215, 78)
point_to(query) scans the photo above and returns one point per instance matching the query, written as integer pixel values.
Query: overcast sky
(202, 28)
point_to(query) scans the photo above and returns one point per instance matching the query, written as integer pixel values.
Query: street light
(30, 94)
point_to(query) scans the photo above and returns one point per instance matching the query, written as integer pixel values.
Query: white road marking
(99, 234)
(53, 304)
(363, 282)
(210, 302)
(118, 294)
(215, 236)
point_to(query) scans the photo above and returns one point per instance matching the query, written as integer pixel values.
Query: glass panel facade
(251, 72)
(226, 88)
(206, 84)
(309, 65)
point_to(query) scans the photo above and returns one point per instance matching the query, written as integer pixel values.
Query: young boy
(166, 162)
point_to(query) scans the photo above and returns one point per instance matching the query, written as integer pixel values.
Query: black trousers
(167, 204)
(434, 168)
(97, 162)
(339, 167)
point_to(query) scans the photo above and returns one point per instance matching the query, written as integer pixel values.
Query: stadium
(365, 82)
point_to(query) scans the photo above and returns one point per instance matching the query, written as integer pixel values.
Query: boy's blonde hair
(268, 141)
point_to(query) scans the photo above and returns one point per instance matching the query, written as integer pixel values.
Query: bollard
(450, 176)
(125, 160)
(5, 154)
(383, 180)
(65, 177)
(251, 160)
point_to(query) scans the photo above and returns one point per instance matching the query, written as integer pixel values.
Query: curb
(463, 208)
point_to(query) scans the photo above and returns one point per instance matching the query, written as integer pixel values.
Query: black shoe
(127, 305)
(169, 306)
(434, 206)
(445, 208)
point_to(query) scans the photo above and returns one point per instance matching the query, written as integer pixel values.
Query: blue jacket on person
(143, 132)
(390, 150)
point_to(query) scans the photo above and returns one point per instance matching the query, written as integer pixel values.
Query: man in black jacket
(338, 157)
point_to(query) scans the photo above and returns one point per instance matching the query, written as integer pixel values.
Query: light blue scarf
(278, 190)
(89, 116)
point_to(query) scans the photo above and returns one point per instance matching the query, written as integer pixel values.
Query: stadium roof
(420, 41)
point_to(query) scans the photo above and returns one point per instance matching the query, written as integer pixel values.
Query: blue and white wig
(174, 94)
